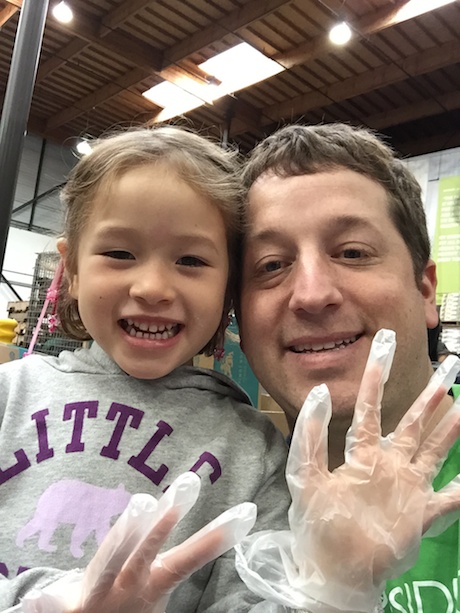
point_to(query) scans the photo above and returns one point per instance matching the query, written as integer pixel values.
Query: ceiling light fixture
(62, 12)
(340, 34)
(84, 147)
(229, 71)
(414, 8)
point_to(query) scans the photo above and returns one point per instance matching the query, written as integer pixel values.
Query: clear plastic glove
(128, 574)
(361, 524)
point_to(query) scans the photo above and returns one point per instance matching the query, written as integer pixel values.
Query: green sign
(446, 246)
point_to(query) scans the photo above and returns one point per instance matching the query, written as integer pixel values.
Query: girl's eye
(118, 254)
(190, 260)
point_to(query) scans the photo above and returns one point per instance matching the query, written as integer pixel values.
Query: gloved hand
(361, 524)
(128, 574)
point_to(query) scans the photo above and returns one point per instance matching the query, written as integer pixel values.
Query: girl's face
(152, 271)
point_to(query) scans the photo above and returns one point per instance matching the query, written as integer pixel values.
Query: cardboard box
(272, 410)
(279, 419)
(10, 352)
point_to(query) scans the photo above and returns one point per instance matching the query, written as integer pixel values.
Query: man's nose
(153, 283)
(315, 285)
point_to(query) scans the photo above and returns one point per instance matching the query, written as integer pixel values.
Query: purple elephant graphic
(88, 508)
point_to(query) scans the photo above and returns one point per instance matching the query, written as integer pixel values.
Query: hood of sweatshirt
(96, 362)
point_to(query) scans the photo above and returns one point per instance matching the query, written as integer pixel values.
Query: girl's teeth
(152, 331)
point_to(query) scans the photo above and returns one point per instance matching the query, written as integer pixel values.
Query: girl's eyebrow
(190, 238)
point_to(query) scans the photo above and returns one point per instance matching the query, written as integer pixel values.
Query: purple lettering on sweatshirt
(22, 463)
(210, 459)
(138, 462)
(125, 413)
(79, 408)
(3, 569)
(44, 450)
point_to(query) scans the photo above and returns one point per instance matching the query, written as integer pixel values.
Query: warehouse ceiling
(401, 77)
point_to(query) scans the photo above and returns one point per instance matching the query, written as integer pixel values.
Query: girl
(148, 247)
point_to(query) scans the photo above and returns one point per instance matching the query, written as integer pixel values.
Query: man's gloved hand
(361, 524)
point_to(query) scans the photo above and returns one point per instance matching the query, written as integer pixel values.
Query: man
(337, 248)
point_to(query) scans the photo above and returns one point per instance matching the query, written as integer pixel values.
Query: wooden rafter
(9, 10)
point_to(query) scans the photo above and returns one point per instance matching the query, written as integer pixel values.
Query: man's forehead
(275, 200)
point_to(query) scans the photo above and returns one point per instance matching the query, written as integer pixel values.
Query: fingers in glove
(220, 535)
(137, 567)
(366, 425)
(436, 447)
(443, 509)
(122, 539)
(412, 428)
(309, 448)
(141, 529)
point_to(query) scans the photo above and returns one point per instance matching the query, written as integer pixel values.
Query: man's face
(324, 269)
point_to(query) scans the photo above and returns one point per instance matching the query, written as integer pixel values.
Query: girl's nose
(153, 284)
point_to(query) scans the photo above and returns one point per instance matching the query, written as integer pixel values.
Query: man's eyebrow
(342, 223)
(264, 236)
(339, 223)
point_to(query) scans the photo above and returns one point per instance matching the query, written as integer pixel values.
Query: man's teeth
(311, 348)
(151, 331)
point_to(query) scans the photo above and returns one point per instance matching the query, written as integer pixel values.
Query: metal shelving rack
(50, 343)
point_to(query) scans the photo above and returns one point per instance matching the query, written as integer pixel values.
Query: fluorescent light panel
(236, 68)
(414, 8)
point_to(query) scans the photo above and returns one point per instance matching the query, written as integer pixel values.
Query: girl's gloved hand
(128, 574)
(361, 524)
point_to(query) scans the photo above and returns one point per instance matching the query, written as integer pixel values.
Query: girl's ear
(72, 278)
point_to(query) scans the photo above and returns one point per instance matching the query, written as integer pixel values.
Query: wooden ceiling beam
(37, 125)
(136, 52)
(420, 63)
(109, 22)
(17, 3)
(371, 23)
(96, 98)
(237, 19)
(7, 12)
(411, 112)
(88, 31)
(439, 142)
(117, 16)
(61, 57)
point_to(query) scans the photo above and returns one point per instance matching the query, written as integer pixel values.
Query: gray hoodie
(78, 436)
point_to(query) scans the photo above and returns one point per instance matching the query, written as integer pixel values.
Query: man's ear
(428, 289)
(72, 278)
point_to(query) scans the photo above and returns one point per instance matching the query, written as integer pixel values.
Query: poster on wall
(234, 364)
(446, 245)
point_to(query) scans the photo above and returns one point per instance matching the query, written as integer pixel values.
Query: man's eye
(190, 260)
(351, 254)
(272, 266)
(118, 254)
